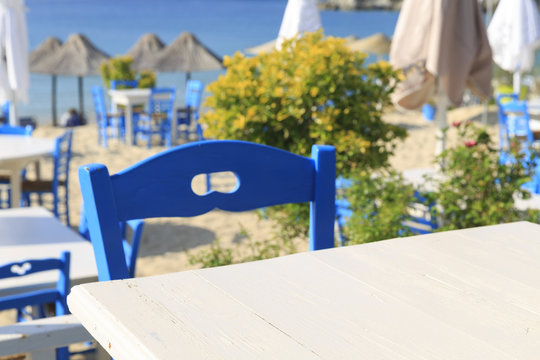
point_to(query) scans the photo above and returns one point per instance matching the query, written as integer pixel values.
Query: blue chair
(106, 120)
(124, 84)
(186, 115)
(57, 186)
(514, 125)
(16, 130)
(158, 117)
(131, 247)
(39, 298)
(160, 186)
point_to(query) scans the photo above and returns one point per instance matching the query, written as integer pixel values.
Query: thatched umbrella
(378, 44)
(38, 59)
(265, 48)
(145, 52)
(186, 53)
(77, 57)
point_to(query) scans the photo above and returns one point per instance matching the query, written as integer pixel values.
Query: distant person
(72, 118)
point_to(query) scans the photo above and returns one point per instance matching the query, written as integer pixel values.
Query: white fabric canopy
(300, 16)
(15, 73)
(512, 33)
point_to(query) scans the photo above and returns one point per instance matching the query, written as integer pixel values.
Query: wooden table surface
(468, 294)
(34, 233)
(16, 152)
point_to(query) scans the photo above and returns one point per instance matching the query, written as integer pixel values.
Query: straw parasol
(440, 53)
(378, 44)
(38, 58)
(77, 57)
(14, 72)
(265, 48)
(145, 52)
(186, 53)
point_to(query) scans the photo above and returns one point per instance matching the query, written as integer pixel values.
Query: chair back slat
(161, 186)
(16, 130)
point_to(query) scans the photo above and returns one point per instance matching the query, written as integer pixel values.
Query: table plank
(468, 294)
(35, 233)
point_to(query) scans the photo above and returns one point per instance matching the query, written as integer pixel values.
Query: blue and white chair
(158, 118)
(39, 298)
(161, 186)
(189, 114)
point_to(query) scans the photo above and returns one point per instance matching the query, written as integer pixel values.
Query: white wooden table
(468, 294)
(16, 152)
(34, 232)
(128, 98)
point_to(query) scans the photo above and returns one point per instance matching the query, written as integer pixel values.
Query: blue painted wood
(16, 130)
(124, 84)
(59, 184)
(158, 118)
(160, 186)
(190, 112)
(41, 297)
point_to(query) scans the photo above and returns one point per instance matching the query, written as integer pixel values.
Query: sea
(224, 26)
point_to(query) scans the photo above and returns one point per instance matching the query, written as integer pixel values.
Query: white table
(16, 152)
(27, 233)
(468, 294)
(128, 98)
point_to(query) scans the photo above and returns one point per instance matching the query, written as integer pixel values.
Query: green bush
(119, 68)
(312, 91)
(475, 189)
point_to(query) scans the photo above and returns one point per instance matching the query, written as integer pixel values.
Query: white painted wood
(468, 294)
(18, 151)
(42, 334)
(129, 98)
(35, 233)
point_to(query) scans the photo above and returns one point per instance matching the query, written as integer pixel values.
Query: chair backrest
(161, 101)
(100, 106)
(124, 84)
(161, 186)
(513, 122)
(62, 158)
(131, 247)
(39, 297)
(194, 90)
(16, 130)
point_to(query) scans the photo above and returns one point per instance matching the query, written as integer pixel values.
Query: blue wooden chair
(57, 186)
(38, 299)
(124, 84)
(16, 130)
(158, 117)
(160, 186)
(106, 120)
(187, 115)
(514, 125)
(131, 247)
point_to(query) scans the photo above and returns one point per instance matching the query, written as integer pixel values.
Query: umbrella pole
(517, 82)
(441, 121)
(13, 110)
(53, 100)
(81, 101)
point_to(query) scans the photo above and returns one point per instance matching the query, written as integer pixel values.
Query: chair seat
(39, 185)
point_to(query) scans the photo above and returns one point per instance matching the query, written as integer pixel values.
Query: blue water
(225, 26)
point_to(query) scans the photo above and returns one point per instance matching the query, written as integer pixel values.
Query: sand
(166, 242)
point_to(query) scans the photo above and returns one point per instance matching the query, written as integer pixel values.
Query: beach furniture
(131, 246)
(124, 84)
(158, 118)
(160, 186)
(190, 112)
(104, 119)
(58, 185)
(128, 98)
(464, 294)
(515, 124)
(16, 152)
(4, 179)
(39, 299)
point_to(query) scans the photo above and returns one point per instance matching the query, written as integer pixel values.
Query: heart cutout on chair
(223, 182)
(21, 269)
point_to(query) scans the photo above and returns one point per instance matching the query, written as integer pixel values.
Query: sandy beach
(166, 242)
